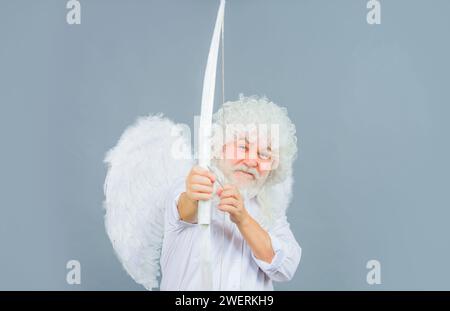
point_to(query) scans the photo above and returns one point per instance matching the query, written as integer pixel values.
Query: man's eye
(243, 147)
(264, 156)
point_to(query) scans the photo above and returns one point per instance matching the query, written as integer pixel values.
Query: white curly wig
(252, 112)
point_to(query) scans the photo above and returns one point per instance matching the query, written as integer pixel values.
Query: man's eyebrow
(268, 148)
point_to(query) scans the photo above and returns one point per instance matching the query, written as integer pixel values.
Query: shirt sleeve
(287, 253)
(172, 217)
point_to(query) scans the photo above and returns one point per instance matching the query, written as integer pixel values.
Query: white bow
(204, 152)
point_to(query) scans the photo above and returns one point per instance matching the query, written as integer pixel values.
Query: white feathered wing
(149, 157)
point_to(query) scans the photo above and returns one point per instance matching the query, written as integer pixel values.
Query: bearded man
(152, 201)
(245, 255)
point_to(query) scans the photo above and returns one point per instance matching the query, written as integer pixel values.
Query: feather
(141, 169)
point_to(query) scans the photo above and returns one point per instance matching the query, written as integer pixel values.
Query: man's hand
(231, 201)
(257, 238)
(199, 186)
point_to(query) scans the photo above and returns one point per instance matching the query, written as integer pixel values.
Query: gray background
(371, 105)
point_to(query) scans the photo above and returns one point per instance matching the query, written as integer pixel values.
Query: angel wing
(148, 158)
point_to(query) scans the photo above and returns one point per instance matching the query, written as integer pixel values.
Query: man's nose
(251, 162)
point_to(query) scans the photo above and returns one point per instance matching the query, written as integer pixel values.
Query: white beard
(248, 191)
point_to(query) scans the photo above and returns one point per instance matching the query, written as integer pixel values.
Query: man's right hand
(199, 184)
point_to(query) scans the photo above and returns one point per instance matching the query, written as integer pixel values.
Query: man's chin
(248, 187)
(244, 183)
(243, 177)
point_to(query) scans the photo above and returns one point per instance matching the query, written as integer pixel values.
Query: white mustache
(249, 170)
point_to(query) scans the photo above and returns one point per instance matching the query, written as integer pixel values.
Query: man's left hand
(231, 201)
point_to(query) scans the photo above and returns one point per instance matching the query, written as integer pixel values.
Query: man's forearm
(187, 208)
(258, 239)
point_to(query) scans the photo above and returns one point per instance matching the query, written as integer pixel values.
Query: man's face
(247, 161)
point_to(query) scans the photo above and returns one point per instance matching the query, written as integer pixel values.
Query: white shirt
(234, 265)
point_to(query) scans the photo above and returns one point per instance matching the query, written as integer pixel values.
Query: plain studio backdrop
(370, 102)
